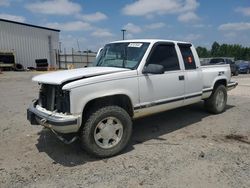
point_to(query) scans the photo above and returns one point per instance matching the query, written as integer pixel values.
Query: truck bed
(210, 73)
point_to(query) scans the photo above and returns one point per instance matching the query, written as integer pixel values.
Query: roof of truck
(150, 41)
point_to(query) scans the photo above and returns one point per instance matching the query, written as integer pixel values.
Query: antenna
(123, 33)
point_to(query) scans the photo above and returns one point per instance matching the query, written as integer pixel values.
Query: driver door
(160, 92)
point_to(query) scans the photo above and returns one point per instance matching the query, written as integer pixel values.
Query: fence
(77, 59)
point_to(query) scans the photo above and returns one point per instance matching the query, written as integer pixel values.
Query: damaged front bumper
(58, 122)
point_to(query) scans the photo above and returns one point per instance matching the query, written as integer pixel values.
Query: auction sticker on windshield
(135, 45)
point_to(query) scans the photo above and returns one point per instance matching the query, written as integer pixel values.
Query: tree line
(225, 50)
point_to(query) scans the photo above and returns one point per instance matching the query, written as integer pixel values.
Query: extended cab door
(160, 92)
(193, 73)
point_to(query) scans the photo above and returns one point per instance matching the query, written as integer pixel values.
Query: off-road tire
(87, 132)
(210, 103)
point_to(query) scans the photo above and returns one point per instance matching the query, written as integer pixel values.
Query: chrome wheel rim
(108, 132)
(220, 100)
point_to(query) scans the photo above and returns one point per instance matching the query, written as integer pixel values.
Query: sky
(89, 24)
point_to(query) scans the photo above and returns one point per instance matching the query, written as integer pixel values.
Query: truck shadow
(144, 129)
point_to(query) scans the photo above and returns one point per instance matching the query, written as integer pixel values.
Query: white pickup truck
(130, 79)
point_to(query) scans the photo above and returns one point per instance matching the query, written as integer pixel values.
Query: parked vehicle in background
(221, 60)
(7, 60)
(131, 79)
(244, 66)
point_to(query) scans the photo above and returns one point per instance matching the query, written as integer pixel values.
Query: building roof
(29, 25)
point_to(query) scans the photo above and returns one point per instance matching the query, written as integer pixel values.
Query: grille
(53, 98)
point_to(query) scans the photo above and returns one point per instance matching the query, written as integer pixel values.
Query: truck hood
(59, 77)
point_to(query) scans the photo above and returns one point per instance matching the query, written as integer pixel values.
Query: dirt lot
(186, 147)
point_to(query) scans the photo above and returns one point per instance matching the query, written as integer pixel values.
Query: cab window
(165, 55)
(187, 56)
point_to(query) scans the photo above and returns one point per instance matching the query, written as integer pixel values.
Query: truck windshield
(123, 55)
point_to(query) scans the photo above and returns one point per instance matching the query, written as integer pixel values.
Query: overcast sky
(93, 23)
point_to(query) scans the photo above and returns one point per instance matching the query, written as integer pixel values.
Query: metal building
(29, 42)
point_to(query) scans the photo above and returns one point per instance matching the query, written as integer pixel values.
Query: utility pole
(78, 45)
(60, 47)
(87, 57)
(123, 33)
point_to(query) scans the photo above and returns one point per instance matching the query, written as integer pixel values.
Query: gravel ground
(186, 147)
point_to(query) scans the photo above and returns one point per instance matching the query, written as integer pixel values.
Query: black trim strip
(166, 101)
(169, 101)
(192, 96)
(178, 99)
(29, 25)
(209, 90)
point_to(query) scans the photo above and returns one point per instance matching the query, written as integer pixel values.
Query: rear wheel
(216, 103)
(107, 131)
(248, 71)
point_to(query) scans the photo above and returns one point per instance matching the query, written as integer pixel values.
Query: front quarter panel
(81, 95)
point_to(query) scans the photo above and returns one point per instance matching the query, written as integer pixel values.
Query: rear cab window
(187, 56)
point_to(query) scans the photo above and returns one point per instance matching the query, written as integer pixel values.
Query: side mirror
(153, 69)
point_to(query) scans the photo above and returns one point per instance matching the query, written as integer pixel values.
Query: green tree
(225, 50)
(215, 49)
(202, 52)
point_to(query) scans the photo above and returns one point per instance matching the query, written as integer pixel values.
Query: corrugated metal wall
(28, 43)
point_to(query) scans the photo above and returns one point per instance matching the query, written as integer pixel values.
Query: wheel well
(122, 101)
(220, 82)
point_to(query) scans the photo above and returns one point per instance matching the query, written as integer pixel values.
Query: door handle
(181, 77)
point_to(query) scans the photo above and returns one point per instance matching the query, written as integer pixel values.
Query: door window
(166, 56)
(187, 56)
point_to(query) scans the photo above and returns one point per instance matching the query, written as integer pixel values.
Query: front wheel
(107, 131)
(216, 103)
